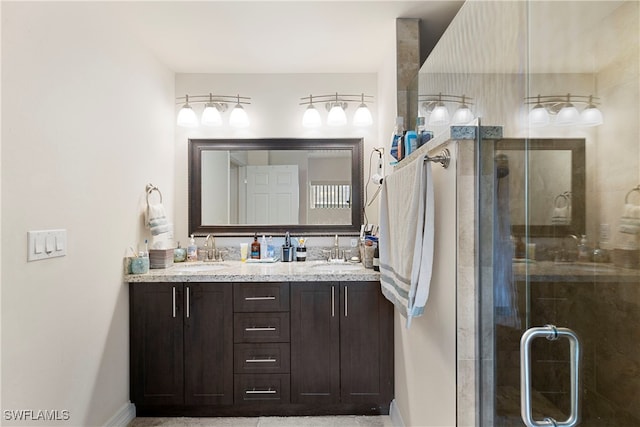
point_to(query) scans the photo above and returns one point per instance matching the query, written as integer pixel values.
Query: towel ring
(626, 198)
(560, 197)
(150, 189)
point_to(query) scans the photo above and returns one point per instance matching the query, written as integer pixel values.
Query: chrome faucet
(211, 249)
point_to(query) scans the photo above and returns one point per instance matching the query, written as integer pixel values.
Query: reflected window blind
(330, 196)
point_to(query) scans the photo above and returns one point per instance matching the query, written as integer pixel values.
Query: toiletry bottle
(411, 142)
(423, 134)
(396, 139)
(287, 253)
(376, 258)
(192, 250)
(271, 250)
(263, 248)
(583, 249)
(255, 248)
(301, 251)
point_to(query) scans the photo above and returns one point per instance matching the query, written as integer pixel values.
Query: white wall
(88, 120)
(274, 112)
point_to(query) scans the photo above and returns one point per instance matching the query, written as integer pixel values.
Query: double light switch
(44, 244)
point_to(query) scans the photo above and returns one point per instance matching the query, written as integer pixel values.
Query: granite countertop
(237, 271)
(548, 271)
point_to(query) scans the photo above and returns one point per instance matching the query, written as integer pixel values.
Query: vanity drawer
(262, 358)
(260, 297)
(252, 388)
(260, 327)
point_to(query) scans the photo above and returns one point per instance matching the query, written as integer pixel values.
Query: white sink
(336, 267)
(195, 268)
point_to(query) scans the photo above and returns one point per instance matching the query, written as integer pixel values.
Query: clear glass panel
(536, 269)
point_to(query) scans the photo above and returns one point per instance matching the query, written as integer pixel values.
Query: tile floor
(329, 421)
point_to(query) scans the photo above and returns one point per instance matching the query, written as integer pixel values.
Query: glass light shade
(568, 115)
(238, 117)
(539, 116)
(439, 116)
(211, 116)
(462, 116)
(337, 116)
(591, 116)
(187, 117)
(311, 118)
(362, 116)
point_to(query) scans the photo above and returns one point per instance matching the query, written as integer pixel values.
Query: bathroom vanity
(239, 339)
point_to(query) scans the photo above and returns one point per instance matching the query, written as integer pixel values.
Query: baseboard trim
(396, 416)
(123, 417)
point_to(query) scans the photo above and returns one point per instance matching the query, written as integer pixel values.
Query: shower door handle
(551, 333)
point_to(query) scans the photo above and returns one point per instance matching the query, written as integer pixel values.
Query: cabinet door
(315, 342)
(156, 324)
(208, 344)
(366, 344)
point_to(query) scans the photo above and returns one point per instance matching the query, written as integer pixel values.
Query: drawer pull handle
(260, 329)
(268, 298)
(254, 391)
(268, 360)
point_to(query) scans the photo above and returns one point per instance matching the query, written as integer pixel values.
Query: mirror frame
(197, 146)
(578, 183)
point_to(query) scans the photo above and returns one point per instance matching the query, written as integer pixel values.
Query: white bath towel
(630, 220)
(406, 237)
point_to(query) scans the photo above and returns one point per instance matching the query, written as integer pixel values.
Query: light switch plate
(45, 244)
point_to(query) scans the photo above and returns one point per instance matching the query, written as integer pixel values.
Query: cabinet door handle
(267, 360)
(267, 298)
(188, 303)
(346, 301)
(254, 391)
(333, 301)
(260, 328)
(174, 301)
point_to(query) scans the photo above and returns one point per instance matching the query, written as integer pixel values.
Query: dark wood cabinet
(251, 349)
(181, 344)
(341, 343)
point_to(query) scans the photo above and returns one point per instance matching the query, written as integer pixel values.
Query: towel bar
(444, 158)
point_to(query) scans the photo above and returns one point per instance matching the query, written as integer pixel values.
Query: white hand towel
(630, 220)
(156, 219)
(406, 237)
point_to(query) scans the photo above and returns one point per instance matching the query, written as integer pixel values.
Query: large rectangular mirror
(551, 172)
(238, 187)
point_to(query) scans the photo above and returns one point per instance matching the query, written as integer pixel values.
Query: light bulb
(311, 117)
(538, 116)
(568, 115)
(462, 116)
(591, 116)
(439, 116)
(362, 116)
(337, 116)
(187, 117)
(238, 117)
(211, 116)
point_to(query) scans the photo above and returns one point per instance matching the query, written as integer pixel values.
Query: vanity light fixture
(562, 106)
(214, 106)
(434, 106)
(336, 104)
(311, 118)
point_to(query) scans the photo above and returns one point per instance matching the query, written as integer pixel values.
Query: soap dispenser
(192, 250)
